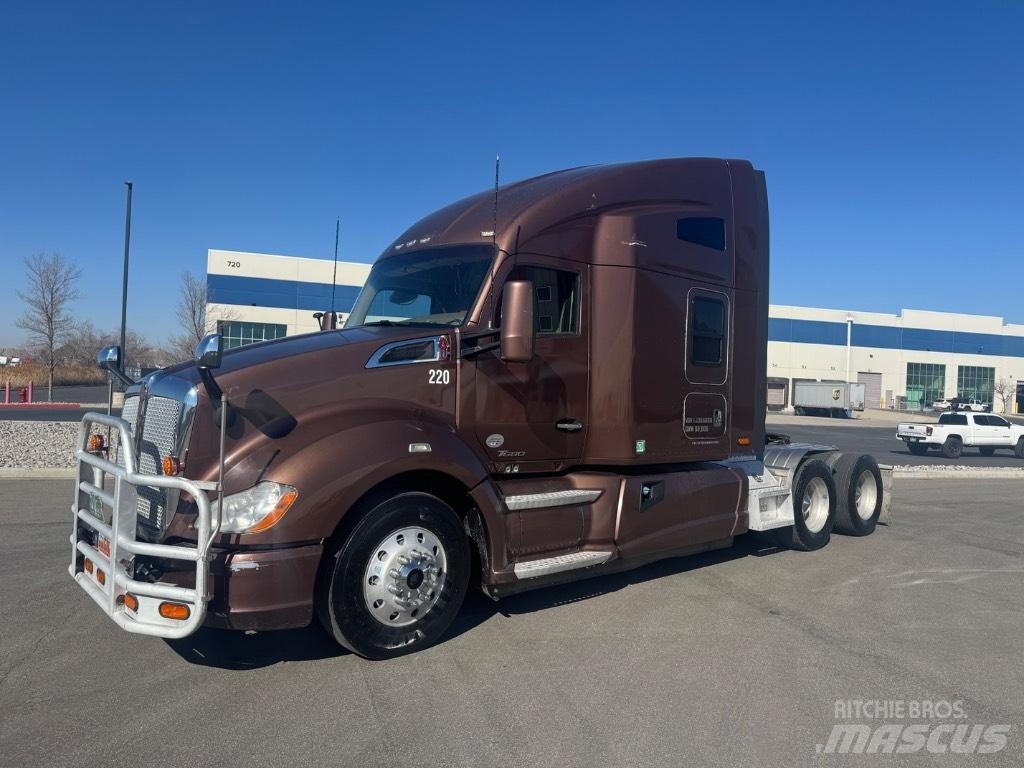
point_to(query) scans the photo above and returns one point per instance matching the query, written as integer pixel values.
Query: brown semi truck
(552, 381)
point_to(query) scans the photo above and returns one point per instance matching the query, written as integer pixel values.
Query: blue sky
(890, 132)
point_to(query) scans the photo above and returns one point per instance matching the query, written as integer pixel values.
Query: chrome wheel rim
(405, 576)
(866, 495)
(815, 504)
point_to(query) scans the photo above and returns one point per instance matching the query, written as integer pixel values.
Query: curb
(37, 473)
(960, 472)
(43, 406)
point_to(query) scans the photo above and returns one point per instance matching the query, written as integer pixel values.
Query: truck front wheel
(814, 508)
(1018, 449)
(953, 447)
(398, 580)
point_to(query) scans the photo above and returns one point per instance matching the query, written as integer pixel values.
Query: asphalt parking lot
(729, 659)
(880, 441)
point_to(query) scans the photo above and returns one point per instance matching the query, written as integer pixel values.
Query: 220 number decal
(440, 376)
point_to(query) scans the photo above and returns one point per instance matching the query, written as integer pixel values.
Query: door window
(556, 299)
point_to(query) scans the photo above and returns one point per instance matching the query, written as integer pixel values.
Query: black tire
(798, 535)
(917, 449)
(953, 447)
(344, 611)
(1018, 449)
(858, 494)
(986, 451)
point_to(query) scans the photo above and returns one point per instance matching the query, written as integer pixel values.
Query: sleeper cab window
(556, 299)
(708, 231)
(707, 331)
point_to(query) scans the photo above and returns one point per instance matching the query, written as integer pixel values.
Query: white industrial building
(258, 296)
(906, 361)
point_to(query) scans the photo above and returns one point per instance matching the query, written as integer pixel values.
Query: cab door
(1000, 431)
(533, 416)
(981, 427)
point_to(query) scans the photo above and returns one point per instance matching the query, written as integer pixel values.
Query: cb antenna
(494, 227)
(334, 279)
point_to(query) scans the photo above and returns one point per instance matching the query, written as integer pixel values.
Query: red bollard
(30, 398)
(23, 395)
(7, 392)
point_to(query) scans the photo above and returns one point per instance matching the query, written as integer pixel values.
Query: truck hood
(308, 345)
(289, 393)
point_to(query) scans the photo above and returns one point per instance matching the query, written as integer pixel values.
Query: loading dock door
(872, 388)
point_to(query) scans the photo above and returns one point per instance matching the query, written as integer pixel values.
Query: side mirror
(109, 357)
(517, 321)
(209, 352)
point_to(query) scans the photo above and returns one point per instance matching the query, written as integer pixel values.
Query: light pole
(124, 284)
(849, 337)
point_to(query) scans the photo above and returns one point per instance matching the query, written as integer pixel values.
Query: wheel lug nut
(394, 574)
(394, 590)
(403, 560)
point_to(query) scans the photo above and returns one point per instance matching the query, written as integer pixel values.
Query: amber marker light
(131, 602)
(171, 465)
(176, 611)
(96, 443)
(282, 506)
(743, 440)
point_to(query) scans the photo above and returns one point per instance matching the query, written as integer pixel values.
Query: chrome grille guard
(91, 499)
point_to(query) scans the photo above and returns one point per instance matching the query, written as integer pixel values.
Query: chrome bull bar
(90, 501)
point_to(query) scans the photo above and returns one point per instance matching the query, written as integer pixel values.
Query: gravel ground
(37, 444)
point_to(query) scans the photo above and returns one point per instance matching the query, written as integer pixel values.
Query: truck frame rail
(103, 546)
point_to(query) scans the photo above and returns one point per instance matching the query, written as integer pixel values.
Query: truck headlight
(255, 509)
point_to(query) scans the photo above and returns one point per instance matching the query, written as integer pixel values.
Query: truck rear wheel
(814, 508)
(859, 494)
(1018, 449)
(953, 447)
(398, 580)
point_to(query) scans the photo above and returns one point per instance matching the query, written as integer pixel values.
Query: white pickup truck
(984, 431)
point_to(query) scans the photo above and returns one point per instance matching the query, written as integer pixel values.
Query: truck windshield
(433, 286)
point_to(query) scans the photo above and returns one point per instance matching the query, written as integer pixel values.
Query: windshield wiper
(407, 323)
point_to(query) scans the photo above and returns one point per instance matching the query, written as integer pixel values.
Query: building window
(707, 331)
(238, 334)
(926, 383)
(975, 383)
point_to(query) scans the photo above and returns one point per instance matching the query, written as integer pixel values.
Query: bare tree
(52, 285)
(1005, 391)
(82, 344)
(192, 317)
(191, 314)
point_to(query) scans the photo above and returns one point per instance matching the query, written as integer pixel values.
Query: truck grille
(159, 438)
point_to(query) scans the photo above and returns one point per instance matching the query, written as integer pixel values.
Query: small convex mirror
(209, 351)
(109, 357)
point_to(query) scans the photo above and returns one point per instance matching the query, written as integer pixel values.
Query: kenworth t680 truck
(551, 381)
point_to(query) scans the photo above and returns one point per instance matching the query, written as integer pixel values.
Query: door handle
(569, 425)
